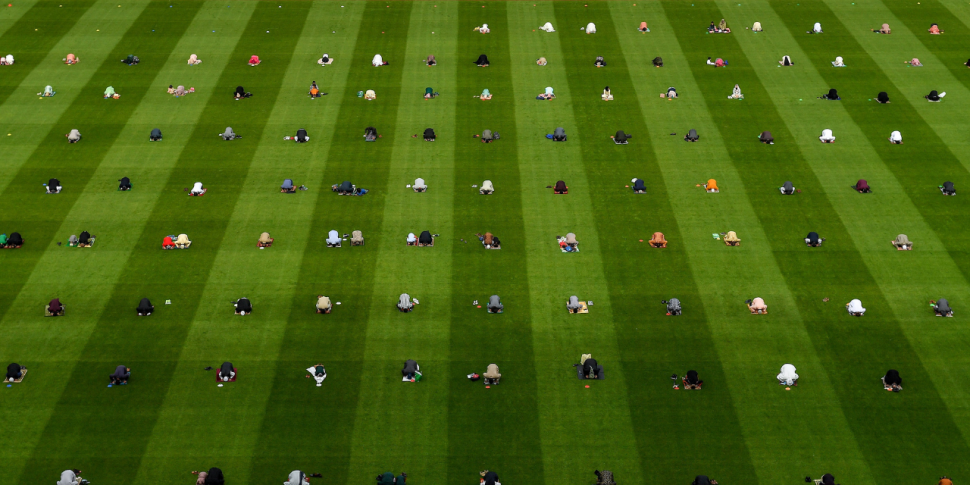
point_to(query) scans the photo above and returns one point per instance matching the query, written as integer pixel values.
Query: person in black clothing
(933, 97)
(241, 93)
(301, 136)
(53, 186)
(592, 369)
(156, 135)
(145, 307)
(370, 134)
(883, 97)
(892, 381)
(691, 381)
(227, 372)
(429, 134)
(15, 371)
(215, 477)
(658, 62)
(639, 187)
(621, 138)
(243, 306)
(489, 477)
(124, 184)
(948, 188)
(701, 480)
(410, 367)
(482, 61)
(833, 95)
(560, 188)
(691, 136)
(766, 138)
(787, 188)
(120, 375)
(425, 239)
(599, 62)
(559, 134)
(84, 239)
(813, 240)
(15, 240)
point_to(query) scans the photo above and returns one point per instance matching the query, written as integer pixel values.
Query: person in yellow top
(731, 239)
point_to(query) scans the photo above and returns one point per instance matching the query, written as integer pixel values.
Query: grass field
(540, 425)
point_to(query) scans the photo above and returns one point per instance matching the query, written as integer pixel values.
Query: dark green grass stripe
(477, 338)
(151, 346)
(52, 19)
(950, 47)
(299, 426)
(890, 428)
(861, 83)
(24, 207)
(657, 414)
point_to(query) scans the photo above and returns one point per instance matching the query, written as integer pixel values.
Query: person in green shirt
(3, 239)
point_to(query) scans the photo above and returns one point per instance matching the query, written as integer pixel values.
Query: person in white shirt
(547, 27)
(377, 61)
(419, 185)
(297, 477)
(855, 308)
(816, 29)
(197, 189)
(333, 239)
(590, 28)
(788, 376)
(896, 138)
(412, 240)
(827, 136)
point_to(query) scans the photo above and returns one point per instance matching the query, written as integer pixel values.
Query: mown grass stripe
(559, 339)
(348, 274)
(33, 35)
(751, 349)
(508, 444)
(424, 273)
(153, 345)
(656, 414)
(851, 349)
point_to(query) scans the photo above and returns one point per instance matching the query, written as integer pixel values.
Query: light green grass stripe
(425, 273)
(560, 338)
(948, 118)
(21, 114)
(268, 277)
(931, 269)
(958, 8)
(133, 156)
(751, 349)
(10, 16)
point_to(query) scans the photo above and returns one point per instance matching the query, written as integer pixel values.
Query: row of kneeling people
(244, 306)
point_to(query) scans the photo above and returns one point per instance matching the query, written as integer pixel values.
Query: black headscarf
(428, 133)
(892, 377)
(244, 305)
(225, 371)
(13, 370)
(301, 135)
(828, 479)
(812, 237)
(52, 184)
(240, 91)
(215, 477)
(84, 237)
(590, 366)
(948, 186)
(15, 239)
(156, 133)
(425, 238)
(482, 60)
(766, 136)
(124, 182)
(788, 186)
(639, 185)
(933, 96)
(701, 480)
(833, 94)
(561, 186)
(882, 97)
(144, 306)
(692, 377)
(620, 136)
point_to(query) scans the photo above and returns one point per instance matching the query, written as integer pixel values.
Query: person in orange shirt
(944, 480)
(315, 91)
(658, 240)
(711, 186)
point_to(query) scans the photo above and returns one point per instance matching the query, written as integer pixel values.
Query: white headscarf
(378, 60)
(333, 237)
(197, 188)
(411, 237)
(788, 375)
(838, 61)
(547, 27)
(827, 134)
(9, 59)
(855, 306)
(817, 28)
(896, 136)
(548, 89)
(590, 28)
